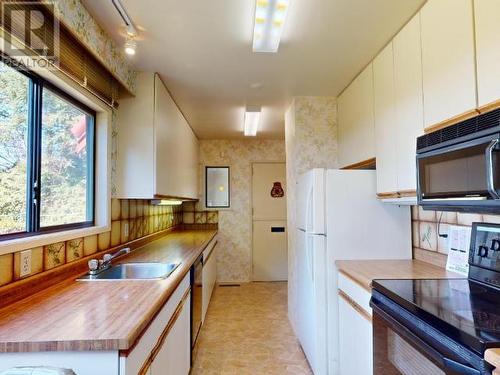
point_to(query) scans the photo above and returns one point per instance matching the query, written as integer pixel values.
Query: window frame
(228, 186)
(33, 162)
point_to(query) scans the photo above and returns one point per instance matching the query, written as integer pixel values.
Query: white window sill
(18, 244)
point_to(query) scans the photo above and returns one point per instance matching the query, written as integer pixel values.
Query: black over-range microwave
(458, 167)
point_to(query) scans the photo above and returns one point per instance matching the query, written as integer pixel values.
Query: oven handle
(449, 366)
(490, 169)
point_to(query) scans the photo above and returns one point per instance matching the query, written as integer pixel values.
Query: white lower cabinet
(174, 357)
(355, 329)
(163, 349)
(168, 337)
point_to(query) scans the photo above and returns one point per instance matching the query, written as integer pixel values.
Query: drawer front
(355, 292)
(132, 363)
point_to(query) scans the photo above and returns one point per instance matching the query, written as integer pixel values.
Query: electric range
(441, 326)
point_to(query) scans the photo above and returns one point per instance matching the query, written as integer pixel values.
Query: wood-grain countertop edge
(355, 270)
(127, 341)
(492, 356)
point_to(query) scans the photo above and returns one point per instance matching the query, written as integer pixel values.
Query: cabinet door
(448, 60)
(176, 148)
(488, 50)
(409, 108)
(356, 123)
(174, 357)
(385, 125)
(355, 339)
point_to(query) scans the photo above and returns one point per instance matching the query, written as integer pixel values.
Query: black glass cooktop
(464, 310)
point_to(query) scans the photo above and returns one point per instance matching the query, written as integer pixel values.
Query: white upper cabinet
(157, 152)
(176, 148)
(356, 122)
(488, 50)
(448, 60)
(385, 125)
(408, 100)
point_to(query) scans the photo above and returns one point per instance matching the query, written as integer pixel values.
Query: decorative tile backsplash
(130, 219)
(427, 244)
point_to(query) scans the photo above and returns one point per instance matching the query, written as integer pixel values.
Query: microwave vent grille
(467, 127)
(488, 120)
(464, 128)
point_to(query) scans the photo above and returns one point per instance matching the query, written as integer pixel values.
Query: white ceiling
(203, 51)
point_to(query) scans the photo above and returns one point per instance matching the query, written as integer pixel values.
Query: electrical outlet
(126, 229)
(25, 263)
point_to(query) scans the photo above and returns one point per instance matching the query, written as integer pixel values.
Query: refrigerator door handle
(310, 255)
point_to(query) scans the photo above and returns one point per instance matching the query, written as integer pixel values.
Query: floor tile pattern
(247, 332)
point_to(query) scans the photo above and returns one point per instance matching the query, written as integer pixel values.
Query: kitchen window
(46, 157)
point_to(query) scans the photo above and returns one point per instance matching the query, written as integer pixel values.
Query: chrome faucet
(97, 266)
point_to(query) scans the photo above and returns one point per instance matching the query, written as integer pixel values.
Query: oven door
(464, 175)
(397, 350)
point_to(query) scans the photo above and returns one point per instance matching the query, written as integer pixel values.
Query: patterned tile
(140, 208)
(493, 219)
(74, 249)
(426, 215)
(188, 218)
(414, 212)
(212, 217)
(415, 234)
(54, 255)
(124, 209)
(468, 219)
(247, 331)
(132, 209)
(6, 268)
(90, 245)
(115, 209)
(188, 206)
(428, 236)
(200, 217)
(133, 229)
(104, 241)
(115, 233)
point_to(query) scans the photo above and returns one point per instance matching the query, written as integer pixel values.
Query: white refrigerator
(338, 217)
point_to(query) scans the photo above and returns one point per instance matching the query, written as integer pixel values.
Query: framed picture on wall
(217, 187)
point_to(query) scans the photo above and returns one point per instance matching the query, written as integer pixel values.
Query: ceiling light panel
(270, 16)
(252, 120)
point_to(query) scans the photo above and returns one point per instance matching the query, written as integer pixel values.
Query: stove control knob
(483, 251)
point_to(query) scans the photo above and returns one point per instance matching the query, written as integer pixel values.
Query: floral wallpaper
(427, 244)
(235, 224)
(74, 15)
(311, 142)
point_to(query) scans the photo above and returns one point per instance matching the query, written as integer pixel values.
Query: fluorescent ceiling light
(165, 202)
(252, 119)
(130, 45)
(268, 24)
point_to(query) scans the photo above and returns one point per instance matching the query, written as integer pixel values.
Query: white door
(270, 257)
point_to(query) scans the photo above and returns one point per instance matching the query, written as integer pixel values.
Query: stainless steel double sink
(133, 271)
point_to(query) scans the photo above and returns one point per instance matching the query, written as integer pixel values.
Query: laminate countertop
(100, 315)
(493, 356)
(363, 272)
